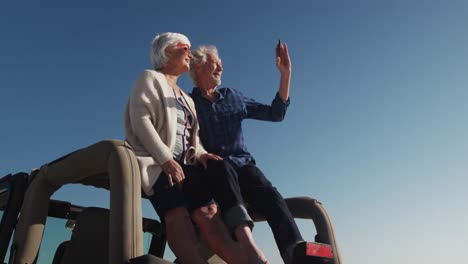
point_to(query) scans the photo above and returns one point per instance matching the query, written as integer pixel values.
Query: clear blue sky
(376, 129)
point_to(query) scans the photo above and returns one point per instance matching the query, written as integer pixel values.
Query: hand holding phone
(278, 48)
(283, 62)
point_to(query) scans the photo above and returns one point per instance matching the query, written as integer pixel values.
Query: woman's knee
(204, 214)
(176, 213)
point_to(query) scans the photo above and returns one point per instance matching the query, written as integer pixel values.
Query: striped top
(184, 128)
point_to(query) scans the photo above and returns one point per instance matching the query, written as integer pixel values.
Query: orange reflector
(319, 250)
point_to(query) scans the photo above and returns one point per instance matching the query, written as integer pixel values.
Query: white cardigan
(150, 126)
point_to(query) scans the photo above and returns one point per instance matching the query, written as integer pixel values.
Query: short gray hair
(199, 57)
(159, 45)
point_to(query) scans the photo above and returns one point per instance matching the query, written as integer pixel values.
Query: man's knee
(204, 214)
(253, 176)
(218, 165)
(221, 171)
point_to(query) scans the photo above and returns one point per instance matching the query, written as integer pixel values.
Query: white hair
(159, 45)
(199, 56)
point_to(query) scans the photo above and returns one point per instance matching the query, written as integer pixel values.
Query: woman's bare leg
(181, 236)
(216, 235)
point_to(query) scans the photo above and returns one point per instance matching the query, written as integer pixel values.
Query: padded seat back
(90, 239)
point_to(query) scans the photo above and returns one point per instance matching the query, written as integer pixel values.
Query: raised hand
(283, 62)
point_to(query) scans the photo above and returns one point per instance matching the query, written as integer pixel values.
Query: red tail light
(319, 250)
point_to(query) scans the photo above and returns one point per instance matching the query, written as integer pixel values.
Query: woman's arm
(142, 103)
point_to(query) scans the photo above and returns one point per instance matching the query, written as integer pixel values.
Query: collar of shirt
(196, 92)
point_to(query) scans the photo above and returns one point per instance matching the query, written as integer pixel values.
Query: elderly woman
(161, 125)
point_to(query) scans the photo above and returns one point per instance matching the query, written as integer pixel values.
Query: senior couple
(193, 159)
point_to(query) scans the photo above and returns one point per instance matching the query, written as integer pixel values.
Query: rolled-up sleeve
(274, 112)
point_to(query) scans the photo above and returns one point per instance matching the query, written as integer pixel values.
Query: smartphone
(278, 48)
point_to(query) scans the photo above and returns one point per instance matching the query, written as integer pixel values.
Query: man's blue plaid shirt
(221, 121)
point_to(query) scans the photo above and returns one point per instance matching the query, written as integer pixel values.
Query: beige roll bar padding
(309, 208)
(107, 164)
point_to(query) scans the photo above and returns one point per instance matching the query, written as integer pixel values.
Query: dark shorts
(193, 193)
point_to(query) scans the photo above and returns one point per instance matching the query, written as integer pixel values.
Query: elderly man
(220, 113)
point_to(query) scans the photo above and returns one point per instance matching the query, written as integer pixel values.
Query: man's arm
(277, 110)
(283, 63)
